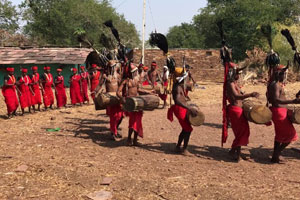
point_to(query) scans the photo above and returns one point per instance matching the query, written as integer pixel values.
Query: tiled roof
(14, 55)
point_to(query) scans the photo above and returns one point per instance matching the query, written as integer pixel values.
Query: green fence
(66, 72)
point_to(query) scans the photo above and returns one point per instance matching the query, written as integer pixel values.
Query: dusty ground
(73, 162)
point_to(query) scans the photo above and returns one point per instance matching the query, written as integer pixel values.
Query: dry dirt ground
(73, 162)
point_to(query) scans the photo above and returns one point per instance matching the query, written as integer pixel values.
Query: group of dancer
(129, 79)
(28, 91)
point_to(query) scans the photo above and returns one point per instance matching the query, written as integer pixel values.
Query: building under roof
(15, 55)
(65, 58)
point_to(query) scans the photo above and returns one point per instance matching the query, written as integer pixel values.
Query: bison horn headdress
(160, 41)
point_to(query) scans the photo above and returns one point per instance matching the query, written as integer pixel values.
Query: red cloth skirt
(284, 129)
(48, 95)
(115, 114)
(11, 99)
(84, 94)
(24, 96)
(61, 97)
(239, 125)
(180, 113)
(146, 82)
(94, 84)
(75, 93)
(37, 98)
(135, 122)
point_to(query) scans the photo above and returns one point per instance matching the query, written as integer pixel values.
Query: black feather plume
(171, 64)
(267, 32)
(286, 33)
(159, 40)
(297, 60)
(113, 29)
(83, 39)
(106, 42)
(108, 23)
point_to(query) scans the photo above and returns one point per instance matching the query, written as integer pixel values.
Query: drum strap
(127, 87)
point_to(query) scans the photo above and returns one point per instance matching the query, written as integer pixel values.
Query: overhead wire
(151, 15)
(121, 4)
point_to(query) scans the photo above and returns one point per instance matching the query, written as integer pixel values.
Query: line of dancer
(31, 91)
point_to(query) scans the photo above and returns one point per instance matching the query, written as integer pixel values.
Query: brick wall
(206, 63)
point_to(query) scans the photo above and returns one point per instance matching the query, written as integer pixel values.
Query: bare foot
(177, 149)
(135, 143)
(129, 142)
(112, 137)
(233, 154)
(275, 159)
(186, 152)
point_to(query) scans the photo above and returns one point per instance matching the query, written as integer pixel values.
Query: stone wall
(206, 63)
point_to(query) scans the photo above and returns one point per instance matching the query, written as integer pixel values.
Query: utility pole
(144, 25)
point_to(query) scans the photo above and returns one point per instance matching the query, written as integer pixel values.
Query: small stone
(100, 195)
(106, 181)
(22, 168)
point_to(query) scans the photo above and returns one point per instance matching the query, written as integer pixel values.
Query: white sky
(160, 14)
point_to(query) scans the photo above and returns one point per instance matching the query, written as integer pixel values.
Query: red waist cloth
(11, 99)
(75, 90)
(180, 113)
(24, 92)
(36, 98)
(146, 82)
(239, 125)
(135, 122)
(48, 95)
(284, 129)
(85, 95)
(94, 84)
(115, 114)
(61, 97)
(163, 96)
(25, 96)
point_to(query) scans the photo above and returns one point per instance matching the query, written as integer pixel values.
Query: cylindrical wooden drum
(258, 114)
(197, 120)
(143, 102)
(102, 100)
(159, 89)
(294, 115)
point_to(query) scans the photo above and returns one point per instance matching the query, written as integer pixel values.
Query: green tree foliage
(184, 36)
(54, 22)
(8, 17)
(242, 20)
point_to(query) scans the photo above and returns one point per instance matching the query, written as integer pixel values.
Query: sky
(160, 14)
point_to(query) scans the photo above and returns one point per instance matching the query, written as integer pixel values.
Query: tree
(241, 21)
(184, 36)
(8, 16)
(55, 21)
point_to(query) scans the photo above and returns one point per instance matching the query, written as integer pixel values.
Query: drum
(143, 102)
(197, 120)
(293, 115)
(102, 100)
(159, 89)
(258, 114)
